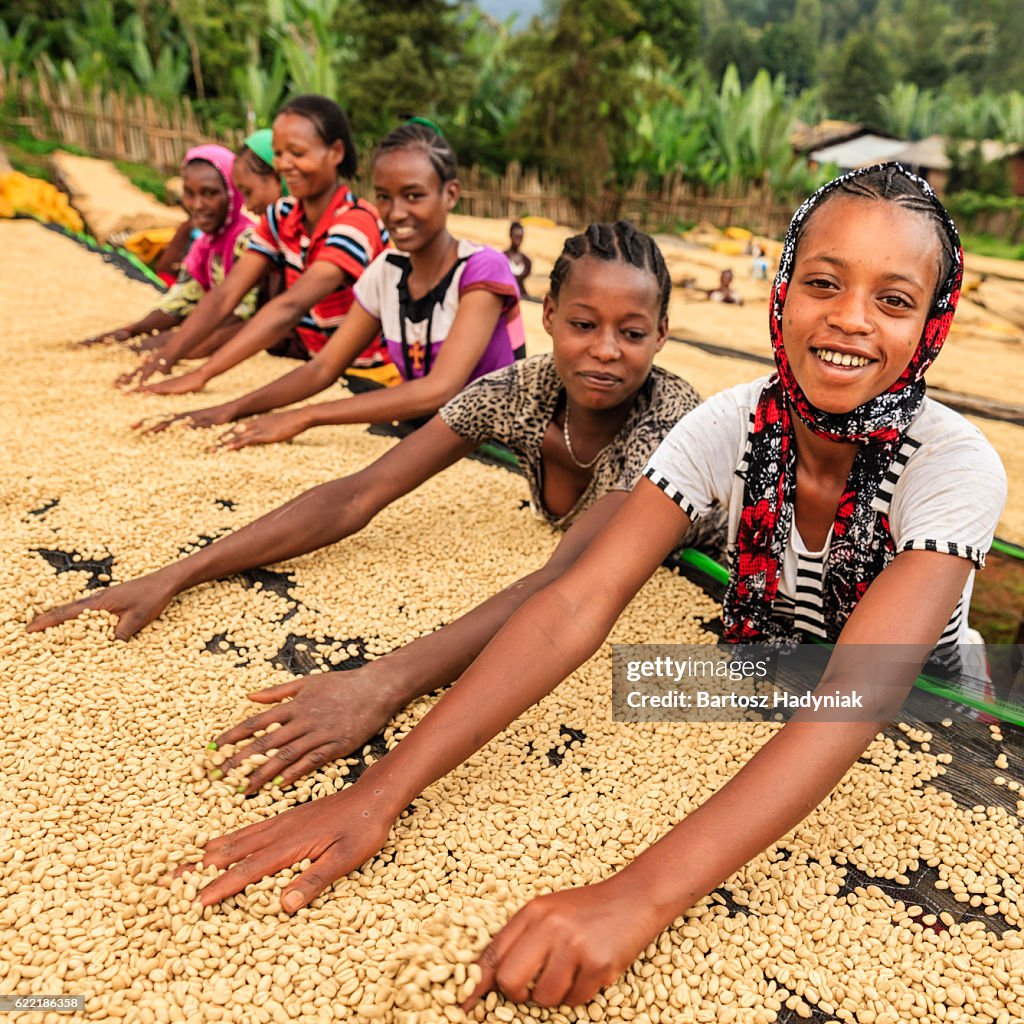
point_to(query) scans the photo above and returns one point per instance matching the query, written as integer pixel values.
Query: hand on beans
(183, 385)
(212, 417)
(565, 947)
(329, 716)
(135, 603)
(337, 833)
(103, 339)
(151, 343)
(154, 364)
(278, 426)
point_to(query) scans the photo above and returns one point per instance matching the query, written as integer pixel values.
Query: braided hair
(890, 183)
(417, 135)
(331, 125)
(621, 242)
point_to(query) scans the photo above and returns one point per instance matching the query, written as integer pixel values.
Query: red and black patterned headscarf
(862, 543)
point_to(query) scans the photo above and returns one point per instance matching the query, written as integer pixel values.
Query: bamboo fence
(106, 123)
(116, 126)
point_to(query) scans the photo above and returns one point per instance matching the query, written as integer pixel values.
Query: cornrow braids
(416, 135)
(331, 125)
(621, 242)
(891, 183)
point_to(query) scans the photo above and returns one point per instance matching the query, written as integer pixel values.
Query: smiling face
(258, 190)
(205, 196)
(606, 328)
(858, 299)
(308, 165)
(411, 200)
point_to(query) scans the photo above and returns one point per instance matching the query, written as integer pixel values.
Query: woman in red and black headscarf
(858, 509)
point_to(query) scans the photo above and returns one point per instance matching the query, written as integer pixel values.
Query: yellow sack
(729, 247)
(37, 198)
(148, 245)
(739, 234)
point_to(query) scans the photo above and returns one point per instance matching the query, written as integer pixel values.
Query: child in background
(860, 514)
(216, 208)
(320, 236)
(448, 310)
(582, 420)
(519, 263)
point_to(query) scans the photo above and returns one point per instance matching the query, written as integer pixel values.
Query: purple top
(425, 323)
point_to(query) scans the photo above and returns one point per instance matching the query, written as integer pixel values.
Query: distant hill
(502, 9)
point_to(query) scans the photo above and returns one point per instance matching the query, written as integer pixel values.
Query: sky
(501, 9)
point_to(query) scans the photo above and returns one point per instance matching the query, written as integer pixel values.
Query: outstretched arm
(210, 312)
(316, 518)
(153, 321)
(269, 325)
(354, 334)
(597, 931)
(334, 713)
(566, 620)
(423, 396)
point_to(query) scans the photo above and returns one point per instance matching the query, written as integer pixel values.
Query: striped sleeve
(353, 241)
(266, 237)
(695, 464)
(949, 497)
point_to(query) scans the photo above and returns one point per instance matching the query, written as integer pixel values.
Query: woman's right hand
(329, 716)
(156, 363)
(135, 603)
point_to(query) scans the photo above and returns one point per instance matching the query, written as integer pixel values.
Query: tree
(408, 59)
(673, 25)
(736, 45)
(585, 72)
(859, 75)
(789, 49)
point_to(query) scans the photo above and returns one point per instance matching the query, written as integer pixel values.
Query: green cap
(427, 123)
(262, 144)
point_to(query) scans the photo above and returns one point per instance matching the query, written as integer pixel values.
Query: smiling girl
(320, 236)
(216, 209)
(865, 504)
(448, 310)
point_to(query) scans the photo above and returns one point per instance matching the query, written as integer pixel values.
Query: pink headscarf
(222, 243)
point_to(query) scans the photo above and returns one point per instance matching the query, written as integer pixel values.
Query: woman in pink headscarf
(217, 210)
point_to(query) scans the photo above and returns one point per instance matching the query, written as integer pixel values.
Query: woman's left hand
(337, 833)
(566, 946)
(278, 426)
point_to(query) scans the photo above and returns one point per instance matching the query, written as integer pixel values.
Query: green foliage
(971, 172)
(909, 112)
(483, 119)
(989, 245)
(144, 177)
(594, 92)
(859, 75)
(314, 51)
(589, 77)
(673, 25)
(407, 59)
(727, 134)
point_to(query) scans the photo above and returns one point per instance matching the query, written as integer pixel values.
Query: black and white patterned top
(944, 491)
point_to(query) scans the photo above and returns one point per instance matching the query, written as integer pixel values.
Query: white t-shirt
(944, 492)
